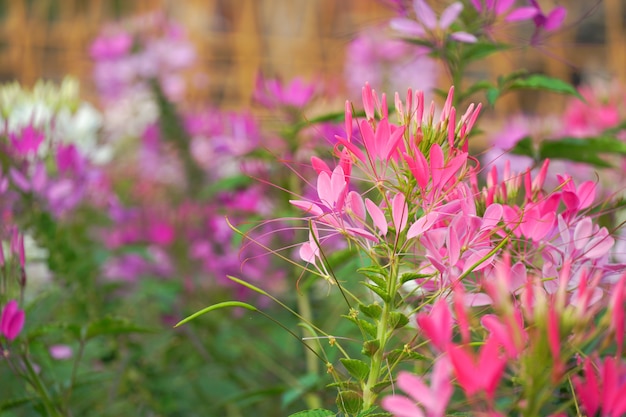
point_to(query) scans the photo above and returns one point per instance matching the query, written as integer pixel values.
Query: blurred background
(237, 38)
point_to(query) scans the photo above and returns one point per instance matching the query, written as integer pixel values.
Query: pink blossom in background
(12, 320)
(273, 92)
(61, 352)
(27, 142)
(389, 64)
(428, 27)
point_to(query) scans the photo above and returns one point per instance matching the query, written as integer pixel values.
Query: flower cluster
(517, 268)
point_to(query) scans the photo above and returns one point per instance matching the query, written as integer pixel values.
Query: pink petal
(502, 6)
(586, 194)
(415, 387)
(425, 14)
(407, 27)
(377, 216)
(308, 207)
(521, 13)
(555, 19)
(449, 15)
(400, 212)
(464, 37)
(582, 233)
(401, 406)
(422, 225)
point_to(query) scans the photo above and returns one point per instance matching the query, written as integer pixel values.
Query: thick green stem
(384, 331)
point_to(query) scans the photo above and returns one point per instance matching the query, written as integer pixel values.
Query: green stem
(38, 385)
(312, 362)
(383, 334)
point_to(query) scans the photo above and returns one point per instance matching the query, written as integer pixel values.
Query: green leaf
(543, 82)
(17, 402)
(581, 150)
(397, 320)
(368, 327)
(370, 347)
(410, 276)
(314, 413)
(358, 369)
(381, 386)
(113, 326)
(481, 50)
(372, 310)
(403, 355)
(349, 402)
(524, 147)
(216, 307)
(379, 291)
(492, 95)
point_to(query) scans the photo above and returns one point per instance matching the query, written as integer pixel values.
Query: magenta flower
(111, 47)
(27, 141)
(606, 391)
(12, 320)
(478, 374)
(272, 92)
(550, 22)
(428, 25)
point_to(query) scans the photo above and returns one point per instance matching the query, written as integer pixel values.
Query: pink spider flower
(12, 320)
(482, 373)
(602, 393)
(427, 24)
(433, 399)
(437, 325)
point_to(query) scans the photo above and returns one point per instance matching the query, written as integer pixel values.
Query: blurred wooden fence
(236, 38)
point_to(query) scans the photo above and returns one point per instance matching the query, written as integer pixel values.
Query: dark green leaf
(524, 147)
(397, 320)
(543, 82)
(370, 347)
(349, 402)
(381, 293)
(358, 369)
(372, 310)
(381, 386)
(584, 150)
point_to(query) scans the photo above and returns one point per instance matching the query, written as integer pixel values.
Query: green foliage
(314, 413)
(585, 150)
(358, 369)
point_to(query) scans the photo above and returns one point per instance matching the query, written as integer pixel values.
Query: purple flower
(12, 320)
(427, 23)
